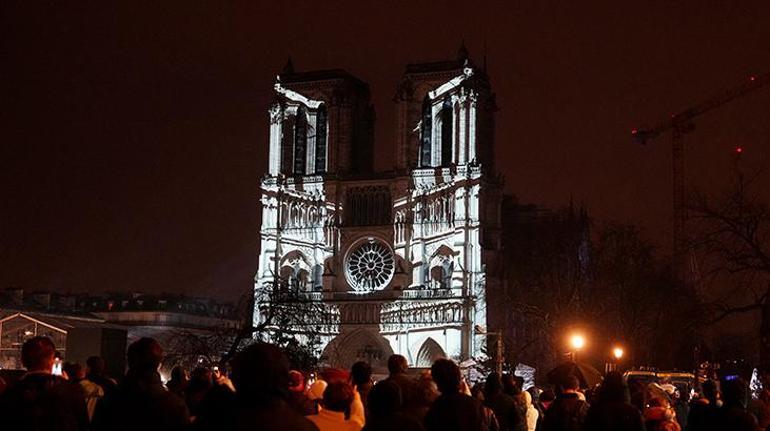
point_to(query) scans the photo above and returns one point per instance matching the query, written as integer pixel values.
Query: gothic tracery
(396, 257)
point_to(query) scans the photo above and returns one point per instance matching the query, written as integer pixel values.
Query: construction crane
(679, 125)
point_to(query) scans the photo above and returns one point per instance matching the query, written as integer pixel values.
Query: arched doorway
(358, 345)
(428, 353)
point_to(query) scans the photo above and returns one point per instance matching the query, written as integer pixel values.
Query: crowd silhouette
(260, 392)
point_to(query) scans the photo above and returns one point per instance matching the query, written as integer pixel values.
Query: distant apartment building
(104, 324)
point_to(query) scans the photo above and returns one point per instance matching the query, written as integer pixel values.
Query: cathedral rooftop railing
(419, 292)
(430, 293)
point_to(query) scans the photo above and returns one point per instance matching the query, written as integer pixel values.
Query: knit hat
(296, 381)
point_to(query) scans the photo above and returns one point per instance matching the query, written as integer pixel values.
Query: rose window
(370, 266)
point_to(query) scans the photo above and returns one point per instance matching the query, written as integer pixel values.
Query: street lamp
(577, 342)
(618, 352)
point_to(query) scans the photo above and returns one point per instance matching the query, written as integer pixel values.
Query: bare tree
(191, 348)
(545, 276)
(558, 276)
(732, 234)
(292, 319)
(637, 300)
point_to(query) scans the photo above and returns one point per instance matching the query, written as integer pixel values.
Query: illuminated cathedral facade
(403, 258)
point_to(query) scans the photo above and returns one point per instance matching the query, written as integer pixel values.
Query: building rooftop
(85, 304)
(61, 321)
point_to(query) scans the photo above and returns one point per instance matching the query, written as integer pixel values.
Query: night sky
(134, 136)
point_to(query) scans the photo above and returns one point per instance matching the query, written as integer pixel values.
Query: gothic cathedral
(402, 258)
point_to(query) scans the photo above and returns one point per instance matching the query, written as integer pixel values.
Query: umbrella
(586, 374)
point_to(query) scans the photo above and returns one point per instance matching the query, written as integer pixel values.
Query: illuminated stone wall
(403, 258)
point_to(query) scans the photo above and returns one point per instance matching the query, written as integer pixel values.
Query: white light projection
(451, 84)
(370, 266)
(414, 283)
(294, 96)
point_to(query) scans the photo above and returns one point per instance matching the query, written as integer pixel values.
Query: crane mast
(680, 124)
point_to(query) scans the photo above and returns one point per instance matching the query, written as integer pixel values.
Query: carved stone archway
(362, 344)
(295, 268)
(428, 353)
(441, 267)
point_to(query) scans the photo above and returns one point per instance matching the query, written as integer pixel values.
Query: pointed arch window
(320, 140)
(287, 145)
(447, 118)
(426, 133)
(428, 353)
(300, 141)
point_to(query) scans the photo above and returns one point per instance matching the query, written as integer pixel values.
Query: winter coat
(141, 402)
(327, 420)
(396, 421)
(531, 412)
(456, 412)
(736, 418)
(92, 393)
(614, 416)
(231, 413)
(566, 413)
(506, 411)
(41, 402)
(407, 384)
(703, 416)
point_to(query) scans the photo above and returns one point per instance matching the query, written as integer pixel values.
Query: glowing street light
(577, 341)
(618, 352)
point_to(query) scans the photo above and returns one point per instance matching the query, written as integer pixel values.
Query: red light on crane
(738, 150)
(752, 78)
